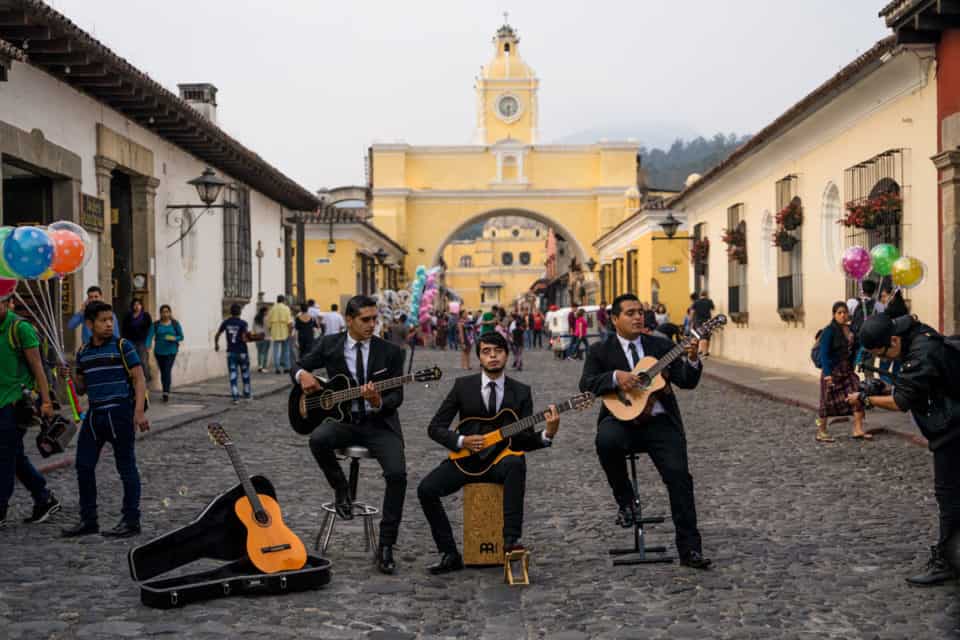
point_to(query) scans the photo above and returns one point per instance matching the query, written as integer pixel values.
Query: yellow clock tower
(506, 94)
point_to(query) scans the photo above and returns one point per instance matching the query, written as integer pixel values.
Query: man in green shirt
(488, 321)
(21, 370)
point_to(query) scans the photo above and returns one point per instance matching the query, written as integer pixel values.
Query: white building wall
(189, 277)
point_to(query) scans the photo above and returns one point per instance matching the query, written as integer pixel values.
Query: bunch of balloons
(885, 260)
(422, 295)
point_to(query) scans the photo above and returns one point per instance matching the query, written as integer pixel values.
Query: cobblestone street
(808, 541)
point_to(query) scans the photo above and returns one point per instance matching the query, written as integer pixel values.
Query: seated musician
(374, 422)
(482, 396)
(658, 431)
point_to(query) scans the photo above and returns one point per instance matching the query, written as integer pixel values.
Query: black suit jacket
(606, 357)
(466, 401)
(385, 361)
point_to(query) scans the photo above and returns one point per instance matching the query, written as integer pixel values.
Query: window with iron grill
(466, 261)
(737, 270)
(524, 257)
(237, 254)
(789, 262)
(507, 258)
(700, 267)
(882, 174)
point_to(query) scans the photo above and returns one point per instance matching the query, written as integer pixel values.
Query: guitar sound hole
(643, 380)
(262, 518)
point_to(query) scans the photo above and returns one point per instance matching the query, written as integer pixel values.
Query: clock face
(508, 106)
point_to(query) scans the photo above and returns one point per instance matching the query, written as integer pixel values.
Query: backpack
(126, 367)
(865, 309)
(815, 350)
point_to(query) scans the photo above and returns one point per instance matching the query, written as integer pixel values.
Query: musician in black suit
(374, 420)
(476, 396)
(607, 368)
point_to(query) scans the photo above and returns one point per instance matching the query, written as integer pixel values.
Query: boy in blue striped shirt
(110, 373)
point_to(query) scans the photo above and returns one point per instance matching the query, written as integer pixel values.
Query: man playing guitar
(483, 394)
(374, 422)
(658, 431)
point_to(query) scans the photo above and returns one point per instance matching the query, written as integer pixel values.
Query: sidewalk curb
(911, 438)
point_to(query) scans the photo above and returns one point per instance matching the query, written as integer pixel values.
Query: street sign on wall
(91, 213)
(667, 269)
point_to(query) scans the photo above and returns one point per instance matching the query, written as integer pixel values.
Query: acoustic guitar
(271, 546)
(497, 432)
(331, 403)
(627, 406)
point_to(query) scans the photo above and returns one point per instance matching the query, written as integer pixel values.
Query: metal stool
(640, 549)
(360, 509)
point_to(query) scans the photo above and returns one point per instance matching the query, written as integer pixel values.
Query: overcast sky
(308, 84)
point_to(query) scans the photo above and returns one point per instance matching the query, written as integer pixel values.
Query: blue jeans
(263, 354)
(281, 355)
(113, 424)
(239, 366)
(165, 364)
(528, 338)
(14, 463)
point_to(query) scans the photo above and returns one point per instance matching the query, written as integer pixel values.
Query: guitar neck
(353, 393)
(241, 470)
(531, 421)
(670, 356)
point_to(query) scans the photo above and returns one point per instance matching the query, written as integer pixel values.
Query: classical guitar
(331, 403)
(271, 546)
(630, 405)
(497, 432)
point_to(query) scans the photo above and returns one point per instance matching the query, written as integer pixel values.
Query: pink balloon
(856, 263)
(7, 287)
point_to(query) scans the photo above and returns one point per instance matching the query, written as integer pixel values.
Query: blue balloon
(28, 251)
(421, 271)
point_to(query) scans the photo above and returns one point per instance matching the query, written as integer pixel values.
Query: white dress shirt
(350, 355)
(500, 384)
(638, 343)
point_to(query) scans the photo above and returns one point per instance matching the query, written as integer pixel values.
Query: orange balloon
(68, 251)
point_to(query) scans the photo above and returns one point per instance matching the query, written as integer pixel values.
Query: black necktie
(361, 377)
(492, 398)
(634, 357)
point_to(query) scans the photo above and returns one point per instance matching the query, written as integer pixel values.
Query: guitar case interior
(215, 534)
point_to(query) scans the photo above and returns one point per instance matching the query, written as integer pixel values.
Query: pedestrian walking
(136, 327)
(702, 311)
(305, 325)
(518, 332)
(538, 329)
(399, 331)
(109, 372)
(238, 357)
(333, 321)
(94, 294)
(280, 323)
(21, 371)
(488, 320)
(165, 337)
(837, 376)
(661, 315)
(466, 336)
(580, 328)
(259, 336)
(453, 331)
(528, 330)
(603, 321)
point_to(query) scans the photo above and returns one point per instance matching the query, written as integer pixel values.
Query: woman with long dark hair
(837, 375)
(263, 345)
(136, 328)
(168, 335)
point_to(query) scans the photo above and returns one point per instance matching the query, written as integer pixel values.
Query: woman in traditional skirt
(837, 375)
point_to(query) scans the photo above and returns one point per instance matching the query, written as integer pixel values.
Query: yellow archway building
(422, 195)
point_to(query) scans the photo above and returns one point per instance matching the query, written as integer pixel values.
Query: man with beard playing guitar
(658, 431)
(482, 395)
(374, 422)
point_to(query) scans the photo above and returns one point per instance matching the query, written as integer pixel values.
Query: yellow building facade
(498, 266)
(423, 195)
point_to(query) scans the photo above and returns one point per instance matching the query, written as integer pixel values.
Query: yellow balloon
(46, 275)
(908, 272)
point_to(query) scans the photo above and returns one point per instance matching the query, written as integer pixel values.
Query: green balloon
(5, 271)
(884, 255)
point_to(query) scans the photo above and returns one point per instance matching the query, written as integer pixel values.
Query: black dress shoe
(695, 560)
(385, 561)
(938, 571)
(343, 504)
(81, 529)
(123, 530)
(449, 562)
(627, 516)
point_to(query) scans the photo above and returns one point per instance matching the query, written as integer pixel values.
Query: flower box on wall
(791, 314)
(739, 317)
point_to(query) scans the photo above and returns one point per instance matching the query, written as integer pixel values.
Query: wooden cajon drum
(483, 524)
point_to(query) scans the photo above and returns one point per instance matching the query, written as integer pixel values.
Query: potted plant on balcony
(736, 241)
(791, 216)
(700, 251)
(784, 239)
(882, 210)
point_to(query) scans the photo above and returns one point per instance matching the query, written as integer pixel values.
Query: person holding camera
(926, 387)
(20, 371)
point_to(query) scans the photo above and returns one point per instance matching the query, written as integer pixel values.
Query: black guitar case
(216, 534)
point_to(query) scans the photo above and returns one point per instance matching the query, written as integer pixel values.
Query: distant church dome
(693, 177)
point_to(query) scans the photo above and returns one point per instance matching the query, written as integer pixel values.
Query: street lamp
(591, 265)
(670, 226)
(208, 187)
(380, 255)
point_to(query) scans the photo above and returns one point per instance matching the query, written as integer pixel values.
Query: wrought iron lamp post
(208, 187)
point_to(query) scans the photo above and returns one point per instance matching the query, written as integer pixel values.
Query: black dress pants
(946, 487)
(666, 445)
(385, 445)
(511, 472)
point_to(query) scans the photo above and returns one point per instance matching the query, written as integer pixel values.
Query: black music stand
(640, 550)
